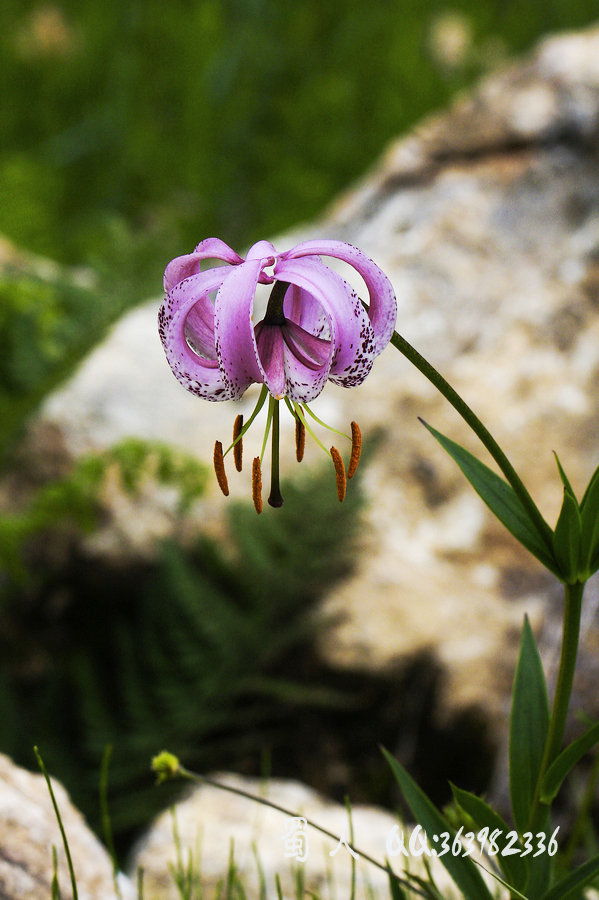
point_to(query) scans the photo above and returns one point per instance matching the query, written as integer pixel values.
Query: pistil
(275, 498)
(274, 314)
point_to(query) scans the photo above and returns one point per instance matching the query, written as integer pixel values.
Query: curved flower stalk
(315, 329)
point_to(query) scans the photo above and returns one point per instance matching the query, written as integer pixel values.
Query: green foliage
(74, 501)
(461, 868)
(529, 722)
(501, 499)
(215, 118)
(194, 652)
(565, 762)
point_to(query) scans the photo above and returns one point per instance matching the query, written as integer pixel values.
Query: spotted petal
(235, 341)
(183, 309)
(189, 264)
(352, 335)
(383, 305)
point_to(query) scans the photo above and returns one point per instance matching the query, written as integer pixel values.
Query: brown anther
(219, 468)
(356, 449)
(300, 439)
(257, 484)
(340, 473)
(238, 444)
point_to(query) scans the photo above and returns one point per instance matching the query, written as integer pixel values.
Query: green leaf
(501, 499)
(566, 761)
(395, 889)
(562, 474)
(513, 867)
(567, 539)
(589, 509)
(574, 881)
(529, 723)
(591, 486)
(462, 869)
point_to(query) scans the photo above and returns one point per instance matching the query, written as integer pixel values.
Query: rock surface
(486, 219)
(210, 819)
(29, 830)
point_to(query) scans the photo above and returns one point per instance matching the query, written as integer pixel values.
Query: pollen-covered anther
(340, 473)
(257, 484)
(356, 449)
(300, 439)
(238, 443)
(219, 468)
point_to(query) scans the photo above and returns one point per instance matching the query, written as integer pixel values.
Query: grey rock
(29, 831)
(210, 822)
(486, 218)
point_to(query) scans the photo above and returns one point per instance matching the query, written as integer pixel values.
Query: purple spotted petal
(235, 340)
(383, 305)
(183, 309)
(189, 264)
(301, 307)
(295, 362)
(271, 351)
(307, 362)
(352, 335)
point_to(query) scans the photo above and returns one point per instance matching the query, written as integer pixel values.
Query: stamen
(257, 484)
(219, 468)
(300, 439)
(356, 449)
(238, 443)
(340, 473)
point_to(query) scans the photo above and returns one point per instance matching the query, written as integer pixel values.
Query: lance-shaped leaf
(501, 499)
(529, 723)
(589, 509)
(512, 865)
(462, 869)
(572, 883)
(565, 762)
(567, 539)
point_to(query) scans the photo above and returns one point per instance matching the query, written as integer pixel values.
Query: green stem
(563, 691)
(486, 438)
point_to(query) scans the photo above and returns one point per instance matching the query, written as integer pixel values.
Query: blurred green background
(129, 131)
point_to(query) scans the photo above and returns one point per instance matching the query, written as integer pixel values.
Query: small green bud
(166, 766)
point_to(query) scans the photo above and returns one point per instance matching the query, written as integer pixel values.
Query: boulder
(28, 832)
(212, 823)
(486, 218)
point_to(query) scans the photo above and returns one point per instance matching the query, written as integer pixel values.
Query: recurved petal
(351, 332)
(234, 331)
(302, 383)
(301, 307)
(269, 341)
(199, 375)
(183, 266)
(383, 305)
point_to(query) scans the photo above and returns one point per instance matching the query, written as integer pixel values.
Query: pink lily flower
(315, 329)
